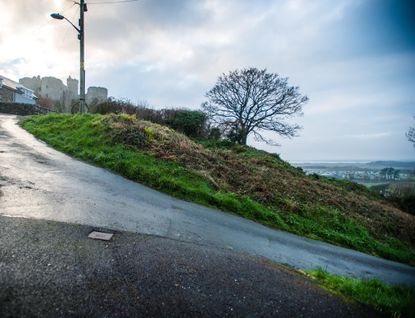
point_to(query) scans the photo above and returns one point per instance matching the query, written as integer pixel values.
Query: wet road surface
(51, 269)
(38, 182)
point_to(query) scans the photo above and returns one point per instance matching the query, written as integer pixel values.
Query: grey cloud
(11, 66)
(147, 16)
(132, 29)
(29, 15)
(167, 88)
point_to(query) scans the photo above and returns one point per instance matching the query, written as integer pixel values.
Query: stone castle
(57, 91)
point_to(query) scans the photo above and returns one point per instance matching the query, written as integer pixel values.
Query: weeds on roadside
(394, 300)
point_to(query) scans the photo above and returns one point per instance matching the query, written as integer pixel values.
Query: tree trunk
(244, 137)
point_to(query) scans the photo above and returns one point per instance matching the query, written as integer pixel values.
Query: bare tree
(411, 135)
(251, 101)
(45, 101)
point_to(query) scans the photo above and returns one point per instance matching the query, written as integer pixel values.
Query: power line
(69, 8)
(111, 2)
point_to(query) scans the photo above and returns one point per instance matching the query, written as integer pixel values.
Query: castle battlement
(54, 88)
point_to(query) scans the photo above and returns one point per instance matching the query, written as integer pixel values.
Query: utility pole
(81, 37)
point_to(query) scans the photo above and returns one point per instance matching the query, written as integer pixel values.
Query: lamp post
(81, 37)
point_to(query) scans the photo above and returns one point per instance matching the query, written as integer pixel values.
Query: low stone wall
(23, 109)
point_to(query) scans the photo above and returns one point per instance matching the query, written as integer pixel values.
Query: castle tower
(34, 83)
(71, 92)
(96, 94)
(72, 85)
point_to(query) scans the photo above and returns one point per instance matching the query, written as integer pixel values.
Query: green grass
(87, 137)
(394, 300)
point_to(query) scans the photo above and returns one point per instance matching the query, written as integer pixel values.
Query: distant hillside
(373, 165)
(392, 164)
(239, 179)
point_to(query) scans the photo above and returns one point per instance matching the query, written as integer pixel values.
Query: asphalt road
(51, 269)
(38, 182)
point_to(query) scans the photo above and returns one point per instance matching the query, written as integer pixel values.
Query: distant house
(13, 92)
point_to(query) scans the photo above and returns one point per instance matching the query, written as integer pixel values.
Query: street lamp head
(57, 16)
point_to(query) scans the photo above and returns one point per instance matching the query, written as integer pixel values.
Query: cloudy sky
(354, 59)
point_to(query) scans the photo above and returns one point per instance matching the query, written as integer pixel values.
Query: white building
(14, 92)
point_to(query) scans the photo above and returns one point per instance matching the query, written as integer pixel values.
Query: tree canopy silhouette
(252, 101)
(411, 135)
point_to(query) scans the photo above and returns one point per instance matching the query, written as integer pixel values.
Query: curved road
(38, 182)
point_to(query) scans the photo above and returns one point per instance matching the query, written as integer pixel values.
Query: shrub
(190, 122)
(112, 105)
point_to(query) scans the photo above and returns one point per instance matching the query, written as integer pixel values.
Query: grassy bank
(393, 300)
(251, 183)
